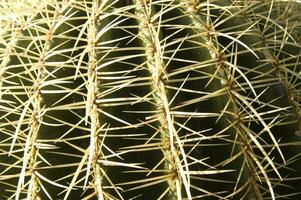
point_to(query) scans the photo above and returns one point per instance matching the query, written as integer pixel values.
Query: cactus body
(150, 99)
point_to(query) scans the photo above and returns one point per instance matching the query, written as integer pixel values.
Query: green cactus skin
(150, 99)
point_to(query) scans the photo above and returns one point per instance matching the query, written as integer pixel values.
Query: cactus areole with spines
(150, 99)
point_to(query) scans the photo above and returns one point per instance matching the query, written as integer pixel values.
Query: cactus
(150, 99)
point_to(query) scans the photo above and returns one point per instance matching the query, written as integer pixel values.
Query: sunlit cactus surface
(150, 99)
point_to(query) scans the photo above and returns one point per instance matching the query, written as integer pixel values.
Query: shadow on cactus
(150, 99)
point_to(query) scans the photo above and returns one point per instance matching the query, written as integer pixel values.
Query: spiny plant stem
(254, 38)
(91, 105)
(204, 25)
(281, 70)
(149, 99)
(151, 40)
(34, 104)
(31, 151)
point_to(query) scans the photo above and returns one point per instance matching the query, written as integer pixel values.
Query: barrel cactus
(150, 99)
